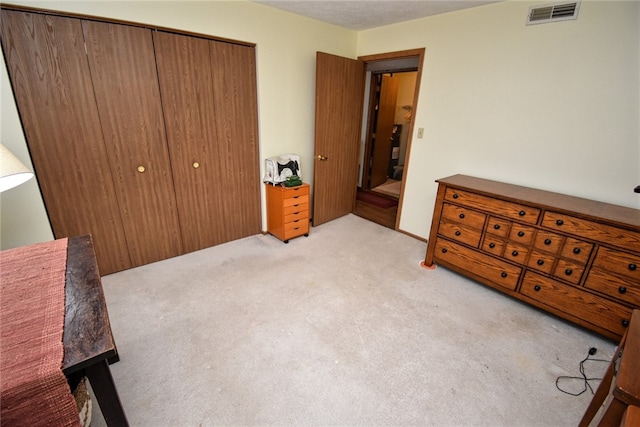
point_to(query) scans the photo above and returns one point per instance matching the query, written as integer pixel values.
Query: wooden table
(89, 347)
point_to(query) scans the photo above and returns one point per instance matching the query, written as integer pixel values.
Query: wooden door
(381, 150)
(125, 82)
(339, 97)
(210, 110)
(52, 84)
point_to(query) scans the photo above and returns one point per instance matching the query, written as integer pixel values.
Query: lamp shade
(12, 171)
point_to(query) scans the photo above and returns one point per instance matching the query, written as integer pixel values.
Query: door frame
(403, 54)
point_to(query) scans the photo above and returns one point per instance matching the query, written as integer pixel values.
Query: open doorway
(388, 108)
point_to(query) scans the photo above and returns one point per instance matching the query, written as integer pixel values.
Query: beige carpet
(341, 328)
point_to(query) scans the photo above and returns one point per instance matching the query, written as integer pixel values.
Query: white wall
(553, 106)
(286, 49)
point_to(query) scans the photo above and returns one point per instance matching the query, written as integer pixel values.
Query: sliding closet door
(125, 82)
(209, 111)
(236, 107)
(53, 89)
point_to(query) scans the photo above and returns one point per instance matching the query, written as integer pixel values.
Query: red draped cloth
(34, 391)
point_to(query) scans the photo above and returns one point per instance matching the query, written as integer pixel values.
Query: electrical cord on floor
(584, 377)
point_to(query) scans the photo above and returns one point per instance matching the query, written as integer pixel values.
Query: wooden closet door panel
(236, 107)
(125, 81)
(52, 85)
(188, 104)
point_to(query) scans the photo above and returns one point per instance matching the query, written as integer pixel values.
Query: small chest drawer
(296, 216)
(521, 233)
(463, 215)
(502, 208)
(296, 209)
(289, 192)
(619, 262)
(609, 315)
(486, 267)
(460, 232)
(592, 230)
(296, 199)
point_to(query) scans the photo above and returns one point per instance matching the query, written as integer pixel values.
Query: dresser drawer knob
(457, 233)
(632, 267)
(444, 250)
(568, 272)
(625, 323)
(503, 274)
(576, 251)
(520, 233)
(547, 242)
(540, 262)
(522, 213)
(492, 245)
(455, 195)
(622, 290)
(559, 222)
(514, 253)
(497, 226)
(536, 288)
(461, 216)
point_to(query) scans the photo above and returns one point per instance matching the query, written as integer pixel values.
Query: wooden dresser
(572, 257)
(288, 211)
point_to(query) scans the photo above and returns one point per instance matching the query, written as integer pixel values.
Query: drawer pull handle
(568, 272)
(625, 323)
(455, 195)
(522, 213)
(559, 222)
(576, 251)
(540, 262)
(622, 290)
(461, 216)
(492, 245)
(547, 241)
(458, 233)
(503, 274)
(444, 250)
(536, 288)
(632, 267)
(514, 253)
(520, 233)
(497, 226)
(295, 197)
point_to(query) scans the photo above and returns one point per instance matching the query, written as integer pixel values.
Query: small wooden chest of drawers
(288, 211)
(573, 257)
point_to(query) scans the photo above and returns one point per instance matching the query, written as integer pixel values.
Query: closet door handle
(141, 169)
(196, 165)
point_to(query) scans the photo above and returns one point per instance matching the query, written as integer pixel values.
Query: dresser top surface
(576, 206)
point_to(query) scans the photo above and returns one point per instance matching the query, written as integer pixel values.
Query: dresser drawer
(592, 230)
(569, 271)
(493, 245)
(495, 271)
(576, 250)
(541, 261)
(619, 288)
(548, 241)
(621, 263)
(502, 208)
(569, 299)
(498, 227)
(521, 233)
(463, 215)
(516, 253)
(460, 232)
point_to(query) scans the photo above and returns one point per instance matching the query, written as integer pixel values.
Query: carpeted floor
(341, 328)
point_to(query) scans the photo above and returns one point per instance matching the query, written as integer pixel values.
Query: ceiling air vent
(553, 13)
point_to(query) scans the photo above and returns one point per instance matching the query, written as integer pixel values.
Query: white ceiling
(364, 14)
